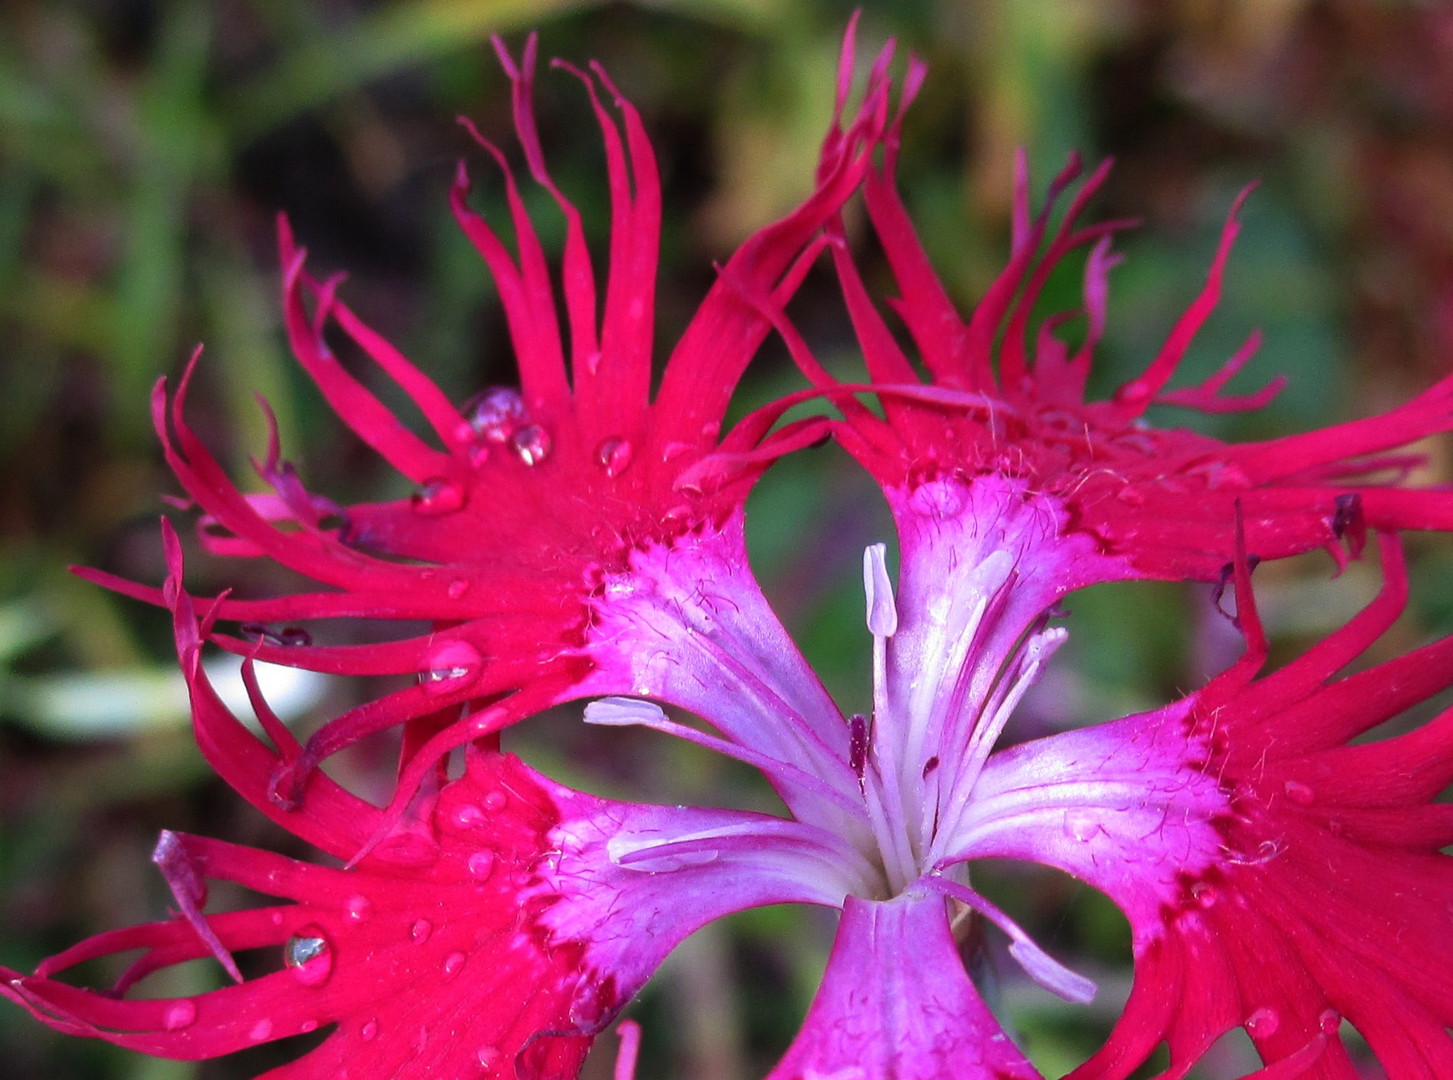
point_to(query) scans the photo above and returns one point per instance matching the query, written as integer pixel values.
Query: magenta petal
(1161, 499)
(630, 882)
(896, 1002)
(438, 969)
(687, 624)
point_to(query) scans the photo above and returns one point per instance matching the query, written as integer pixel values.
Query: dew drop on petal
(495, 801)
(1299, 793)
(1204, 895)
(1329, 1021)
(261, 1030)
(478, 456)
(419, 932)
(1081, 825)
(489, 1056)
(589, 1009)
(452, 665)
(467, 816)
(532, 444)
(452, 963)
(358, 907)
(308, 1026)
(309, 957)
(497, 413)
(614, 456)
(179, 1015)
(439, 496)
(1262, 1024)
(457, 588)
(369, 1031)
(480, 865)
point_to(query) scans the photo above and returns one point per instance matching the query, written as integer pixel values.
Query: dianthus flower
(582, 539)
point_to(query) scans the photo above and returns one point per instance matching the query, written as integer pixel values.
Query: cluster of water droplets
(472, 817)
(498, 421)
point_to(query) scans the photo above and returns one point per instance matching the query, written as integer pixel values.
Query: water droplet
(495, 800)
(452, 665)
(1329, 1021)
(420, 931)
(480, 864)
(309, 958)
(711, 429)
(622, 588)
(590, 1008)
(1299, 793)
(457, 588)
(1203, 894)
(1131, 495)
(1061, 420)
(358, 907)
(614, 456)
(369, 1031)
(467, 816)
(489, 1056)
(676, 515)
(1138, 442)
(497, 413)
(439, 496)
(666, 864)
(1082, 825)
(1262, 1024)
(452, 963)
(532, 444)
(179, 1014)
(261, 1030)
(308, 1026)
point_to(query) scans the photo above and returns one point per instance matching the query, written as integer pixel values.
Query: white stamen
(624, 712)
(1038, 964)
(882, 611)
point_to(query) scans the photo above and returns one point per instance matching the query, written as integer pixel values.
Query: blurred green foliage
(145, 147)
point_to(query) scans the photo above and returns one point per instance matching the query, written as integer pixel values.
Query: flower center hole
(808, 520)
(731, 998)
(635, 764)
(1077, 926)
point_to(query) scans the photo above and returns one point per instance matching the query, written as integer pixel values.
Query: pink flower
(494, 932)
(532, 511)
(1004, 405)
(582, 539)
(566, 540)
(1310, 882)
